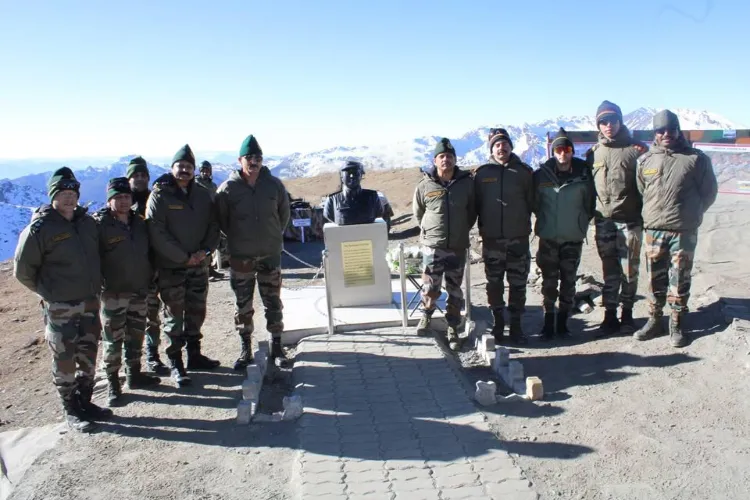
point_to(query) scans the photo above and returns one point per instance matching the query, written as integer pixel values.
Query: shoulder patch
(36, 226)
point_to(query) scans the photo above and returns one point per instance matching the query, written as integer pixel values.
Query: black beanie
(184, 154)
(561, 139)
(118, 185)
(137, 164)
(666, 119)
(606, 109)
(62, 179)
(206, 163)
(444, 146)
(499, 134)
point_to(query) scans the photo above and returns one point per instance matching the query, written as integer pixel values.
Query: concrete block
(253, 373)
(485, 393)
(534, 388)
(476, 329)
(261, 360)
(292, 407)
(245, 411)
(487, 343)
(250, 389)
(489, 358)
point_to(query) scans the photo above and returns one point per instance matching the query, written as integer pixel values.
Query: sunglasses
(666, 130)
(563, 149)
(609, 121)
(69, 184)
(253, 158)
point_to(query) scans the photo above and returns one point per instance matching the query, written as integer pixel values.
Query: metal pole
(467, 284)
(329, 302)
(402, 272)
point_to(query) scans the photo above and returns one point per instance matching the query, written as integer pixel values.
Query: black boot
(499, 328)
(179, 375)
(452, 335)
(548, 330)
(276, 351)
(196, 360)
(75, 417)
(516, 332)
(114, 391)
(246, 355)
(651, 329)
(627, 325)
(92, 411)
(562, 324)
(137, 379)
(153, 362)
(677, 335)
(610, 325)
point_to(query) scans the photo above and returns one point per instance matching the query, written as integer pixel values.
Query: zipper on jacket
(85, 256)
(448, 214)
(502, 202)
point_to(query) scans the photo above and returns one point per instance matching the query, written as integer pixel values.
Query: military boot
(677, 335)
(246, 356)
(562, 325)
(137, 379)
(74, 416)
(627, 325)
(498, 330)
(92, 411)
(423, 328)
(516, 332)
(548, 330)
(651, 329)
(196, 360)
(276, 350)
(179, 375)
(153, 362)
(114, 391)
(609, 326)
(454, 343)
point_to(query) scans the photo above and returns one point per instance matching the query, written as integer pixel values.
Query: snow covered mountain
(20, 195)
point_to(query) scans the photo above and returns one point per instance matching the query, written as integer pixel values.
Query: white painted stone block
(245, 411)
(487, 343)
(250, 389)
(253, 373)
(292, 407)
(485, 393)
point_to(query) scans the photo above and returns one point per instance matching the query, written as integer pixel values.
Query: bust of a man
(353, 205)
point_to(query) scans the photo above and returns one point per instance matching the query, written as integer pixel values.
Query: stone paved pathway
(387, 418)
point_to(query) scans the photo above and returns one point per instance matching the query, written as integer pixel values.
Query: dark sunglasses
(665, 130)
(69, 184)
(609, 121)
(563, 149)
(253, 157)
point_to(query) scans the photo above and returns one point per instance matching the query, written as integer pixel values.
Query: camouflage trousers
(183, 292)
(559, 265)
(436, 263)
(509, 257)
(123, 318)
(669, 263)
(619, 247)
(72, 331)
(153, 307)
(243, 274)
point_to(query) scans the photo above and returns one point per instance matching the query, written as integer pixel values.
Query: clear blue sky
(86, 78)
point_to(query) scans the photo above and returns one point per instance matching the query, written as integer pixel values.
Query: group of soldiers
(625, 187)
(107, 275)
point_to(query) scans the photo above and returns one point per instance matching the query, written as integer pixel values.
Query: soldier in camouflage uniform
(678, 185)
(444, 208)
(619, 228)
(564, 208)
(253, 211)
(183, 230)
(504, 199)
(57, 258)
(138, 175)
(126, 275)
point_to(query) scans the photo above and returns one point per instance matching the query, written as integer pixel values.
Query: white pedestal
(358, 273)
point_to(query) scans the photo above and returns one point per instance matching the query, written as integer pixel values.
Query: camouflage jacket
(678, 186)
(124, 251)
(253, 218)
(614, 163)
(564, 204)
(445, 213)
(180, 223)
(58, 259)
(504, 198)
